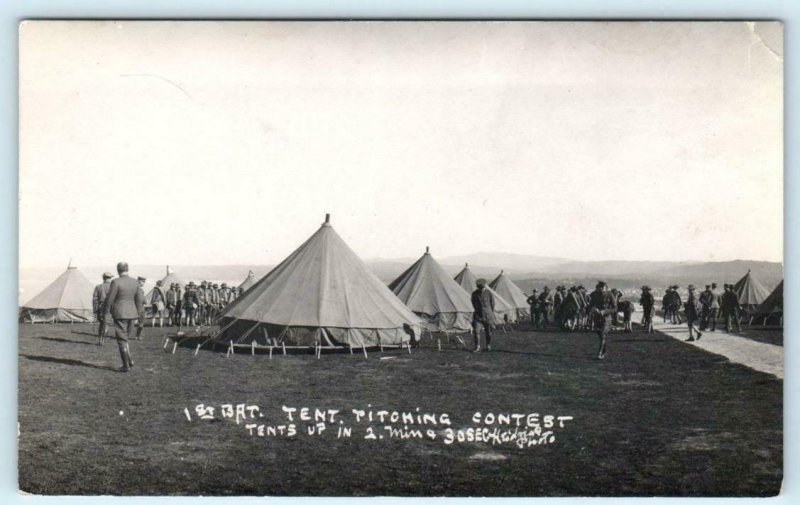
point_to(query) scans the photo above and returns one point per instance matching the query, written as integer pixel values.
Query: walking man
(98, 305)
(602, 308)
(140, 324)
(705, 303)
(483, 304)
(648, 303)
(125, 301)
(693, 310)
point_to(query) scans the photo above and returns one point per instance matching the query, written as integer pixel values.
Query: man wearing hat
(158, 302)
(190, 304)
(533, 302)
(713, 307)
(602, 307)
(648, 303)
(483, 315)
(545, 305)
(170, 298)
(125, 300)
(729, 306)
(693, 310)
(213, 302)
(140, 325)
(98, 305)
(224, 295)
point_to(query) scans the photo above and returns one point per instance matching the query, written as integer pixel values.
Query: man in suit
(125, 301)
(602, 307)
(483, 304)
(98, 305)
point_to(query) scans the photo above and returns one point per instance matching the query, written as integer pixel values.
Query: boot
(123, 354)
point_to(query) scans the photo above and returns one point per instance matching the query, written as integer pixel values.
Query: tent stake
(439, 344)
(197, 350)
(365, 352)
(174, 346)
(270, 352)
(409, 346)
(253, 348)
(283, 344)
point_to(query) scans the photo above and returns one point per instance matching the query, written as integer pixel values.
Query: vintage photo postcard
(425, 259)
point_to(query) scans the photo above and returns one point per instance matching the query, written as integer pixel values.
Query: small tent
(166, 281)
(67, 299)
(506, 288)
(751, 292)
(249, 281)
(772, 306)
(322, 294)
(503, 308)
(431, 294)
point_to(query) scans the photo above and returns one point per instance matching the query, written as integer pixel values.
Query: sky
(228, 142)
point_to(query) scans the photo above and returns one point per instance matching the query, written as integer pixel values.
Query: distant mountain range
(528, 271)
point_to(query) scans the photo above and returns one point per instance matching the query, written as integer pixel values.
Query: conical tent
(321, 294)
(67, 299)
(168, 279)
(249, 281)
(506, 288)
(751, 292)
(772, 305)
(502, 307)
(429, 292)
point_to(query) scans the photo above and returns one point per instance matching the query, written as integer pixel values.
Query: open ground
(657, 417)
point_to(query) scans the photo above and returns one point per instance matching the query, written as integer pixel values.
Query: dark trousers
(732, 319)
(712, 319)
(476, 332)
(123, 330)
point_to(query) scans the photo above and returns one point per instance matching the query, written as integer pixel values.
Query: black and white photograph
(401, 258)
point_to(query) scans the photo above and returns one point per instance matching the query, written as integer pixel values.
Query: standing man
(693, 310)
(200, 294)
(98, 305)
(224, 295)
(483, 304)
(545, 304)
(730, 308)
(602, 308)
(140, 327)
(124, 301)
(714, 307)
(705, 303)
(648, 303)
(190, 304)
(533, 302)
(158, 303)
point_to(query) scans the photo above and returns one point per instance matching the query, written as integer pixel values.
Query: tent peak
(427, 250)
(327, 220)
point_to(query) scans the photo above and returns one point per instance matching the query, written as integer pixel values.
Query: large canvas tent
(429, 292)
(249, 281)
(772, 306)
(67, 299)
(506, 288)
(503, 308)
(751, 292)
(322, 294)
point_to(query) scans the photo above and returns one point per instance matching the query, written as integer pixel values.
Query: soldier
(583, 300)
(178, 305)
(545, 305)
(483, 304)
(648, 308)
(602, 307)
(705, 303)
(213, 303)
(570, 308)
(140, 324)
(627, 309)
(713, 307)
(170, 296)
(125, 301)
(675, 306)
(224, 295)
(665, 303)
(693, 310)
(190, 304)
(533, 302)
(730, 308)
(158, 302)
(98, 305)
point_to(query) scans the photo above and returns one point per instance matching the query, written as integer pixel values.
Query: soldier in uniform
(602, 307)
(705, 303)
(171, 304)
(693, 310)
(190, 304)
(648, 303)
(158, 302)
(125, 301)
(140, 324)
(545, 305)
(224, 295)
(483, 304)
(533, 303)
(98, 305)
(665, 303)
(214, 303)
(570, 308)
(713, 307)
(730, 308)
(200, 294)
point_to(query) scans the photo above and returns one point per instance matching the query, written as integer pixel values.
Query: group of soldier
(569, 308)
(702, 311)
(193, 305)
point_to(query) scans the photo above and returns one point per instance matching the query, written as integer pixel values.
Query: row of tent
(68, 299)
(323, 294)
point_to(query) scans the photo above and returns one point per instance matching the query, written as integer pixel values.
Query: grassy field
(657, 417)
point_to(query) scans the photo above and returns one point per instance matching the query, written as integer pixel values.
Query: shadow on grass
(68, 341)
(65, 361)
